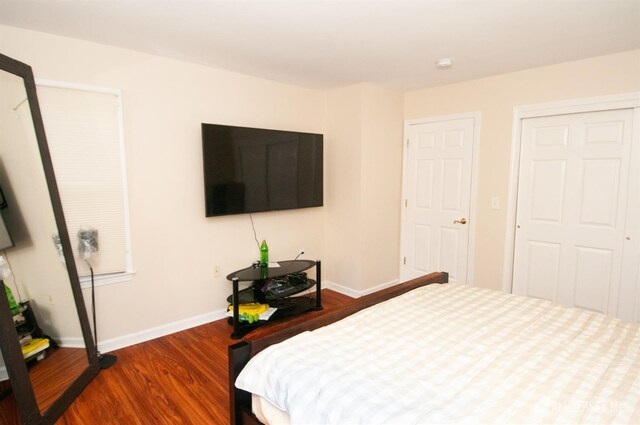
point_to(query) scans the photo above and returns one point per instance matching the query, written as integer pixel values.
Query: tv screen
(5, 238)
(251, 169)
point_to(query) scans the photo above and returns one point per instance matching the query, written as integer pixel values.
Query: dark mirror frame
(9, 345)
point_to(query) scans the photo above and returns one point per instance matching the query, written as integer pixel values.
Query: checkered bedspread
(456, 354)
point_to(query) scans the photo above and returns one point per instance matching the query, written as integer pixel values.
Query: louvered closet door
(572, 199)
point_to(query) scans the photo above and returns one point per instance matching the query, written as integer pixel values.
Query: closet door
(572, 204)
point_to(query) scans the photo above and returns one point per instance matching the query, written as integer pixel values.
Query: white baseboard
(357, 294)
(341, 289)
(157, 332)
(137, 337)
(380, 287)
(180, 325)
(69, 342)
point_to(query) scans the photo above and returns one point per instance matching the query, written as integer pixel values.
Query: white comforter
(456, 354)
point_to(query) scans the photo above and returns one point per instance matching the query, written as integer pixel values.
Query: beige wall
(174, 246)
(343, 180)
(364, 127)
(38, 274)
(356, 233)
(495, 97)
(381, 185)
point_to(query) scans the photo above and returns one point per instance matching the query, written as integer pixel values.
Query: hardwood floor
(61, 367)
(177, 379)
(49, 378)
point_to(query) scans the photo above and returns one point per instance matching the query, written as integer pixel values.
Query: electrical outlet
(216, 271)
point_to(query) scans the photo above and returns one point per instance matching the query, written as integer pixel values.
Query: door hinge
(404, 261)
(405, 203)
(407, 142)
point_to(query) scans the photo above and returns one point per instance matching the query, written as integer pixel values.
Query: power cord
(105, 360)
(254, 231)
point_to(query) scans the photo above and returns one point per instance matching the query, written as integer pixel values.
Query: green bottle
(12, 302)
(264, 254)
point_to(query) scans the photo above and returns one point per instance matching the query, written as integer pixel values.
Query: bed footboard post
(236, 309)
(318, 286)
(239, 400)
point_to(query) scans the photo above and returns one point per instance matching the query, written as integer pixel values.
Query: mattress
(455, 354)
(267, 413)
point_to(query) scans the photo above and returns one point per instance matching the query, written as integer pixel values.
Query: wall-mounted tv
(5, 238)
(250, 170)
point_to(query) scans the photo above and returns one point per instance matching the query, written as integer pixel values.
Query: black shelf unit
(286, 303)
(28, 326)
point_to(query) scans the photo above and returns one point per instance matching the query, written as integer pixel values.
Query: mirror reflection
(35, 274)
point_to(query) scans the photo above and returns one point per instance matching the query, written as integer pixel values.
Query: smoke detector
(444, 63)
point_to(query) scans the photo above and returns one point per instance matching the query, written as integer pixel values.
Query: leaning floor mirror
(48, 354)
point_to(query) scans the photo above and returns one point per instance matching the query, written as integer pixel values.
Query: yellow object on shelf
(34, 346)
(251, 308)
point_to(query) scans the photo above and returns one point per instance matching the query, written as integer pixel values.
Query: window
(85, 134)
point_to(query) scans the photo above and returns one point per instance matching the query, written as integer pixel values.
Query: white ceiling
(331, 43)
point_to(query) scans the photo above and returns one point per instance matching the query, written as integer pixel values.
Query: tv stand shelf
(286, 304)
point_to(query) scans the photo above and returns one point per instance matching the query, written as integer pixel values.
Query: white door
(437, 187)
(571, 208)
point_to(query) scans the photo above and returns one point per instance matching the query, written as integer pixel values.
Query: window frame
(127, 275)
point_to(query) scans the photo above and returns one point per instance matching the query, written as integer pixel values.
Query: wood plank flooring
(177, 379)
(61, 367)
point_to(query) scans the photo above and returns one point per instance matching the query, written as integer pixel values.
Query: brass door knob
(461, 221)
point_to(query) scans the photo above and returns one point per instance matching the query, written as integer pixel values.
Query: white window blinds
(84, 131)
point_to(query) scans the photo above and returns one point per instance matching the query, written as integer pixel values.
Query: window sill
(106, 279)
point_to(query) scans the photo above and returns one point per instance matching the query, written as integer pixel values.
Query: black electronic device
(286, 285)
(251, 169)
(297, 279)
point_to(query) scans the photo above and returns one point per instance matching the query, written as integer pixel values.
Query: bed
(442, 354)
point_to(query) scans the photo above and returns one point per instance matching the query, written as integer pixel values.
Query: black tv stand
(286, 304)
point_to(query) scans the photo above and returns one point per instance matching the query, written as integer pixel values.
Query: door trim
(475, 161)
(573, 106)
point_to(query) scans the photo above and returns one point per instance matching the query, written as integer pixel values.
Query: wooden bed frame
(241, 353)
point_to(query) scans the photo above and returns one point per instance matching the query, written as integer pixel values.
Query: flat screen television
(5, 238)
(250, 170)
